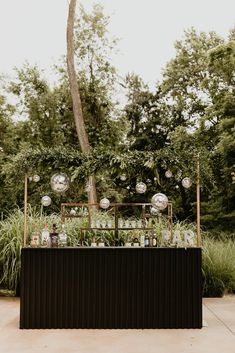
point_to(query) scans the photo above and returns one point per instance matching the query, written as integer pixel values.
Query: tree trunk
(77, 105)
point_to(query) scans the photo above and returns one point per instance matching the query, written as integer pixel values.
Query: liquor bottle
(35, 237)
(136, 242)
(45, 236)
(154, 240)
(62, 237)
(54, 237)
(142, 238)
(146, 240)
(93, 243)
(101, 243)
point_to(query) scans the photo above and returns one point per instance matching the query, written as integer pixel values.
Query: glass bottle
(142, 238)
(62, 237)
(54, 237)
(146, 240)
(136, 242)
(35, 237)
(154, 240)
(93, 242)
(45, 236)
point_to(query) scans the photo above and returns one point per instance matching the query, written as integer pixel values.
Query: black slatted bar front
(111, 288)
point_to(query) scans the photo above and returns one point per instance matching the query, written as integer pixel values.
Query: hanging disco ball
(104, 203)
(154, 211)
(36, 178)
(123, 177)
(160, 201)
(168, 174)
(59, 182)
(141, 188)
(46, 201)
(73, 212)
(186, 182)
(148, 181)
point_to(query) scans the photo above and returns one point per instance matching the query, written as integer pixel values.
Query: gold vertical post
(170, 221)
(25, 208)
(198, 203)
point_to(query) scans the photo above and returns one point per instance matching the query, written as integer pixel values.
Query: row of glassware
(122, 223)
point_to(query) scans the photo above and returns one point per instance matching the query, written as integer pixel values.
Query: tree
(199, 85)
(77, 105)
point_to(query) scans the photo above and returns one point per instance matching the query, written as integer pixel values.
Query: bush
(218, 266)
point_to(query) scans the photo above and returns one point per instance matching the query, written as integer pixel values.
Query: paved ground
(218, 337)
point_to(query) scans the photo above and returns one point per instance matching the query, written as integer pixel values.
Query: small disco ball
(154, 211)
(36, 178)
(148, 181)
(104, 203)
(141, 188)
(168, 174)
(46, 201)
(186, 182)
(59, 182)
(123, 177)
(160, 201)
(72, 212)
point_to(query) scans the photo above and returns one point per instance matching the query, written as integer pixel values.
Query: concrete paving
(218, 337)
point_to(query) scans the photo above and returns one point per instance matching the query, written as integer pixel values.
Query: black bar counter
(110, 288)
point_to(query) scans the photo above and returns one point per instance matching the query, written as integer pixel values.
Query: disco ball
(73, 212)
(141, 188)
(186, 182)
(154, 211)
(123, 177)
(168, 174)
(59, 182)
(36, 178)
(104, 203)
(160, 201)
(46, 201)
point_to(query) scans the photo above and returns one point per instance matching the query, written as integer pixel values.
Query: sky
(35, 31)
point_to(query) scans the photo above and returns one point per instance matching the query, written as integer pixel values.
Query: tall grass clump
(11, 239)
(218, 266)
(11, 230)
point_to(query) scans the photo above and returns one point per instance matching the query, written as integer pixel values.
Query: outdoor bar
(111, 287)
(121, 286)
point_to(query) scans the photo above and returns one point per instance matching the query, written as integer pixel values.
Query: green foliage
(218, 267)
(11, 239)
(11, 232)
(190, 112)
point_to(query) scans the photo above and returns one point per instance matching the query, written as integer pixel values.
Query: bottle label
(146, 242)
(35, 241)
